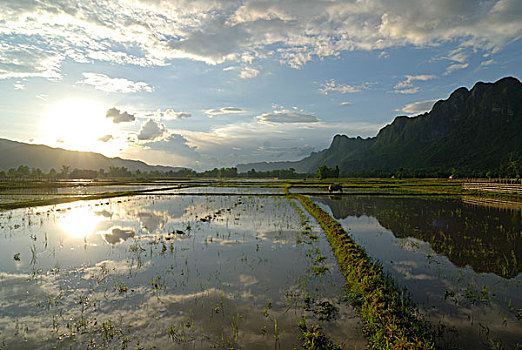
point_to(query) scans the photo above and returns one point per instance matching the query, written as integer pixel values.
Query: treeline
(24, 173)
(510, 168)
(233, 172)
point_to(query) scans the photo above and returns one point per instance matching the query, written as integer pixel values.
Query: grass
(389, 321)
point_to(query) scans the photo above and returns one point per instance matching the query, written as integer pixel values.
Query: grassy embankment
(389, 320)
(60, 200)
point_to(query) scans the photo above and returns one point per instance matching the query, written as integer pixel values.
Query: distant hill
(475, 129)
(13, 154)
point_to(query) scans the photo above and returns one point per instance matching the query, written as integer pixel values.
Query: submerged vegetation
(389, 321)
(223, 218)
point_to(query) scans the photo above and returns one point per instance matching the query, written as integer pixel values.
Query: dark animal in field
(335, 187)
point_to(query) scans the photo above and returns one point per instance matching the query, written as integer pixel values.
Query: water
(460, 261)
(167, 271)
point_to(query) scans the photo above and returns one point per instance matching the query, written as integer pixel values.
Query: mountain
(44, 157)
(473, 130)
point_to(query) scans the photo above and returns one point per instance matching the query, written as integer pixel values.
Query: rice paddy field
(244, 265)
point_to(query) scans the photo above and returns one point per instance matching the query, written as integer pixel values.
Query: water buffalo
(335, 187)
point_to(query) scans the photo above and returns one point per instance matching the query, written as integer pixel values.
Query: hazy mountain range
(14, 154)
(475, 129)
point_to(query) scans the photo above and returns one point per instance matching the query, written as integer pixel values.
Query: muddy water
(167, 271)
(460, 261)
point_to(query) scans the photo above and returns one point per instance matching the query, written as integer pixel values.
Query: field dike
(389, 319)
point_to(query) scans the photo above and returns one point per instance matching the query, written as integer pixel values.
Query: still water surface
(461, 262)
(167, 271)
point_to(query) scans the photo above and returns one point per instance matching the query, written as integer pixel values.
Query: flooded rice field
(190, 272)
(238, 266)
(461, 262)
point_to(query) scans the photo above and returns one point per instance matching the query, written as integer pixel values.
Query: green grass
(388, 319)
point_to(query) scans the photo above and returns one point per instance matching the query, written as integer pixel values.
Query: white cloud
(107, 84)
(408, 91)
(247, 142)
(333, 86)
(152, 130)
(457, 55)
(40, 35)
(169, 114)
(175, 144)
(119, 116)
(249, 73)
(286, 116)
(27, 61)
(487, 62)
(455, 67)
(406, 86)
(419, 107)
(345, 104)
(173, 150)
(224, 111)
(408, 82)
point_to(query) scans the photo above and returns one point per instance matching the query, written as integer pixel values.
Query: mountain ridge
(472, 129)
(15, 153)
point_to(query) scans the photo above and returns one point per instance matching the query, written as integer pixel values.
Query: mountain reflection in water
(486, 238)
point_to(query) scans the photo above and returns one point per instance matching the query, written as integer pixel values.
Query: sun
(76, 124)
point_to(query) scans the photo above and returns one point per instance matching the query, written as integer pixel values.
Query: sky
(208, 83)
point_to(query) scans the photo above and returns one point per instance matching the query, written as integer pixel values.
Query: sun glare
(76, 124)
(79, 222)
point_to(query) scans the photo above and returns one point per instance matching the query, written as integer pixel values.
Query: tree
(52, 174)
(324, 172)
(37, 173)
(64, 172)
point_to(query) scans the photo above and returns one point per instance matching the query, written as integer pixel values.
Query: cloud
(419, 107)
(332, 86)
(246, 142)
(487, 63)
(107, 84)
(406, 86)
(457, 55)
(152, 130)
(224, 111)
(173, 150)
(26, 61)
(408, 82)
(105, 138)
(408, 91)
(286, 116)
(345, 104)
(41, 35)
(175, 144)
(169, 114)
(118, 116)
(248, 73)
(455, 67)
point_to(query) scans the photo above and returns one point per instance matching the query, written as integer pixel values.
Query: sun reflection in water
(79, 222)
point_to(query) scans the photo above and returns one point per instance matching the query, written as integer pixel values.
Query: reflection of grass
(388, 321)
